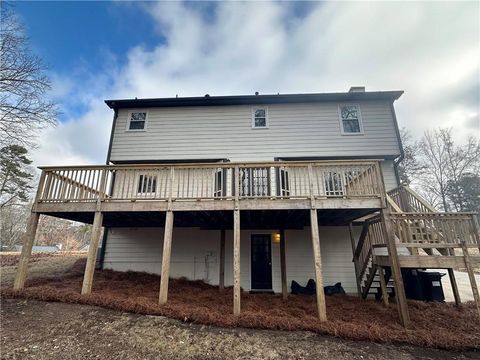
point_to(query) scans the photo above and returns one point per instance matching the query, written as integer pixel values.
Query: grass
(437, 325)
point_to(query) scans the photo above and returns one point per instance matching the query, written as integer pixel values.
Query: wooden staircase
(421, 235)
(371, 283)
(367, 271)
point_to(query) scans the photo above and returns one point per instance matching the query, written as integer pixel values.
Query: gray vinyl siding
(296, 130)
(196, 255)
(389, 176)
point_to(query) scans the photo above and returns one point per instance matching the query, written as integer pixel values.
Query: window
(260, 118)
(147, 184)
(350, 119)
(137, 121)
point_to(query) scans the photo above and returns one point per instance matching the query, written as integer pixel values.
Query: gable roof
(208, 100)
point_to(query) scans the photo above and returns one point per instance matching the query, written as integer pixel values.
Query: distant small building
(84, 248)
(42, 248)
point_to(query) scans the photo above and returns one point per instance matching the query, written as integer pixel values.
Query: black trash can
(432, 285)
(413, 284)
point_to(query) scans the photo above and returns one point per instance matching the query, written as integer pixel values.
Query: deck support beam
(283, 265)
(471, 275)
(321, 307)
(401, 298)
(383, 286)
(92, 253)
(167, 251)
(22, 267)
(453, 282)
(221, 281)
(236, 262)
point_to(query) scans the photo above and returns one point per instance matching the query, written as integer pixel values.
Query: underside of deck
(251, 219)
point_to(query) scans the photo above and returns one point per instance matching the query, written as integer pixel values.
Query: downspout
(103, 249)
(399, 159)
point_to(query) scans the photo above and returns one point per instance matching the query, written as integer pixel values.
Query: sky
(107, 50)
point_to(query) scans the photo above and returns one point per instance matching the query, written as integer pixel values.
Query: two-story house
(255, 191)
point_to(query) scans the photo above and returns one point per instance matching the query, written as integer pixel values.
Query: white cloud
(430, 50)
(77, 141)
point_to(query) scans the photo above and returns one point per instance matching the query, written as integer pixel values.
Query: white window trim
(360, 121)
(267, 122)
(130, 118)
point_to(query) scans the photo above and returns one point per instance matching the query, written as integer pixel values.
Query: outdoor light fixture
(276, 237)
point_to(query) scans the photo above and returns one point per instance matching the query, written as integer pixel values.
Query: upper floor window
(351, 120)
(137, 121)
(260, 118)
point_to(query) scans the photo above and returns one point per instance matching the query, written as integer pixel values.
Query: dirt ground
(44, 330)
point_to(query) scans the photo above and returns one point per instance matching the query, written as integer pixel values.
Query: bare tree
(444, 164)
(462, 160)
(13, 223)
(410, 165)
(24, 107)
(56, 231)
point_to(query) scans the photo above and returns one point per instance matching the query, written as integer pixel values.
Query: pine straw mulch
(11, 259)
(435, 325)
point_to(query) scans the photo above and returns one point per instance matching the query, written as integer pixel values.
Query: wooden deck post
(471, 275)
(453, 282)
(354, 247)
(92, 253)
(221, 275)
(236, 262)
(283, 265)
(167, 251)
(22, 267)
(401, 298)
(321, 308)
(383, 286)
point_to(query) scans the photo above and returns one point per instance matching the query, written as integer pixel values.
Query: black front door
(261, 257)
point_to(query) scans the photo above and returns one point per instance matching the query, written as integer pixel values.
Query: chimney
(356, 89)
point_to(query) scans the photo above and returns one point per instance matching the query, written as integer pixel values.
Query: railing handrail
(436, 228)
(405, 193)
(419, 198)
(437, 214)
(370, 232)
(214, 164)
(393, 204)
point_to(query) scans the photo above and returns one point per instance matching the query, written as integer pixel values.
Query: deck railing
(286, 180)
(436, 228)
(372, 234)
(409, 201)
(428, 231)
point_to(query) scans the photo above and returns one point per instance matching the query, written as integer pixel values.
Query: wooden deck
(211, 187)
(399, 229)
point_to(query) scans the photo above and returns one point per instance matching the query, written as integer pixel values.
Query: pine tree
(15, 177)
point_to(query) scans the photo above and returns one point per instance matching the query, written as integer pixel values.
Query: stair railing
(409, 201)
(372, 234)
